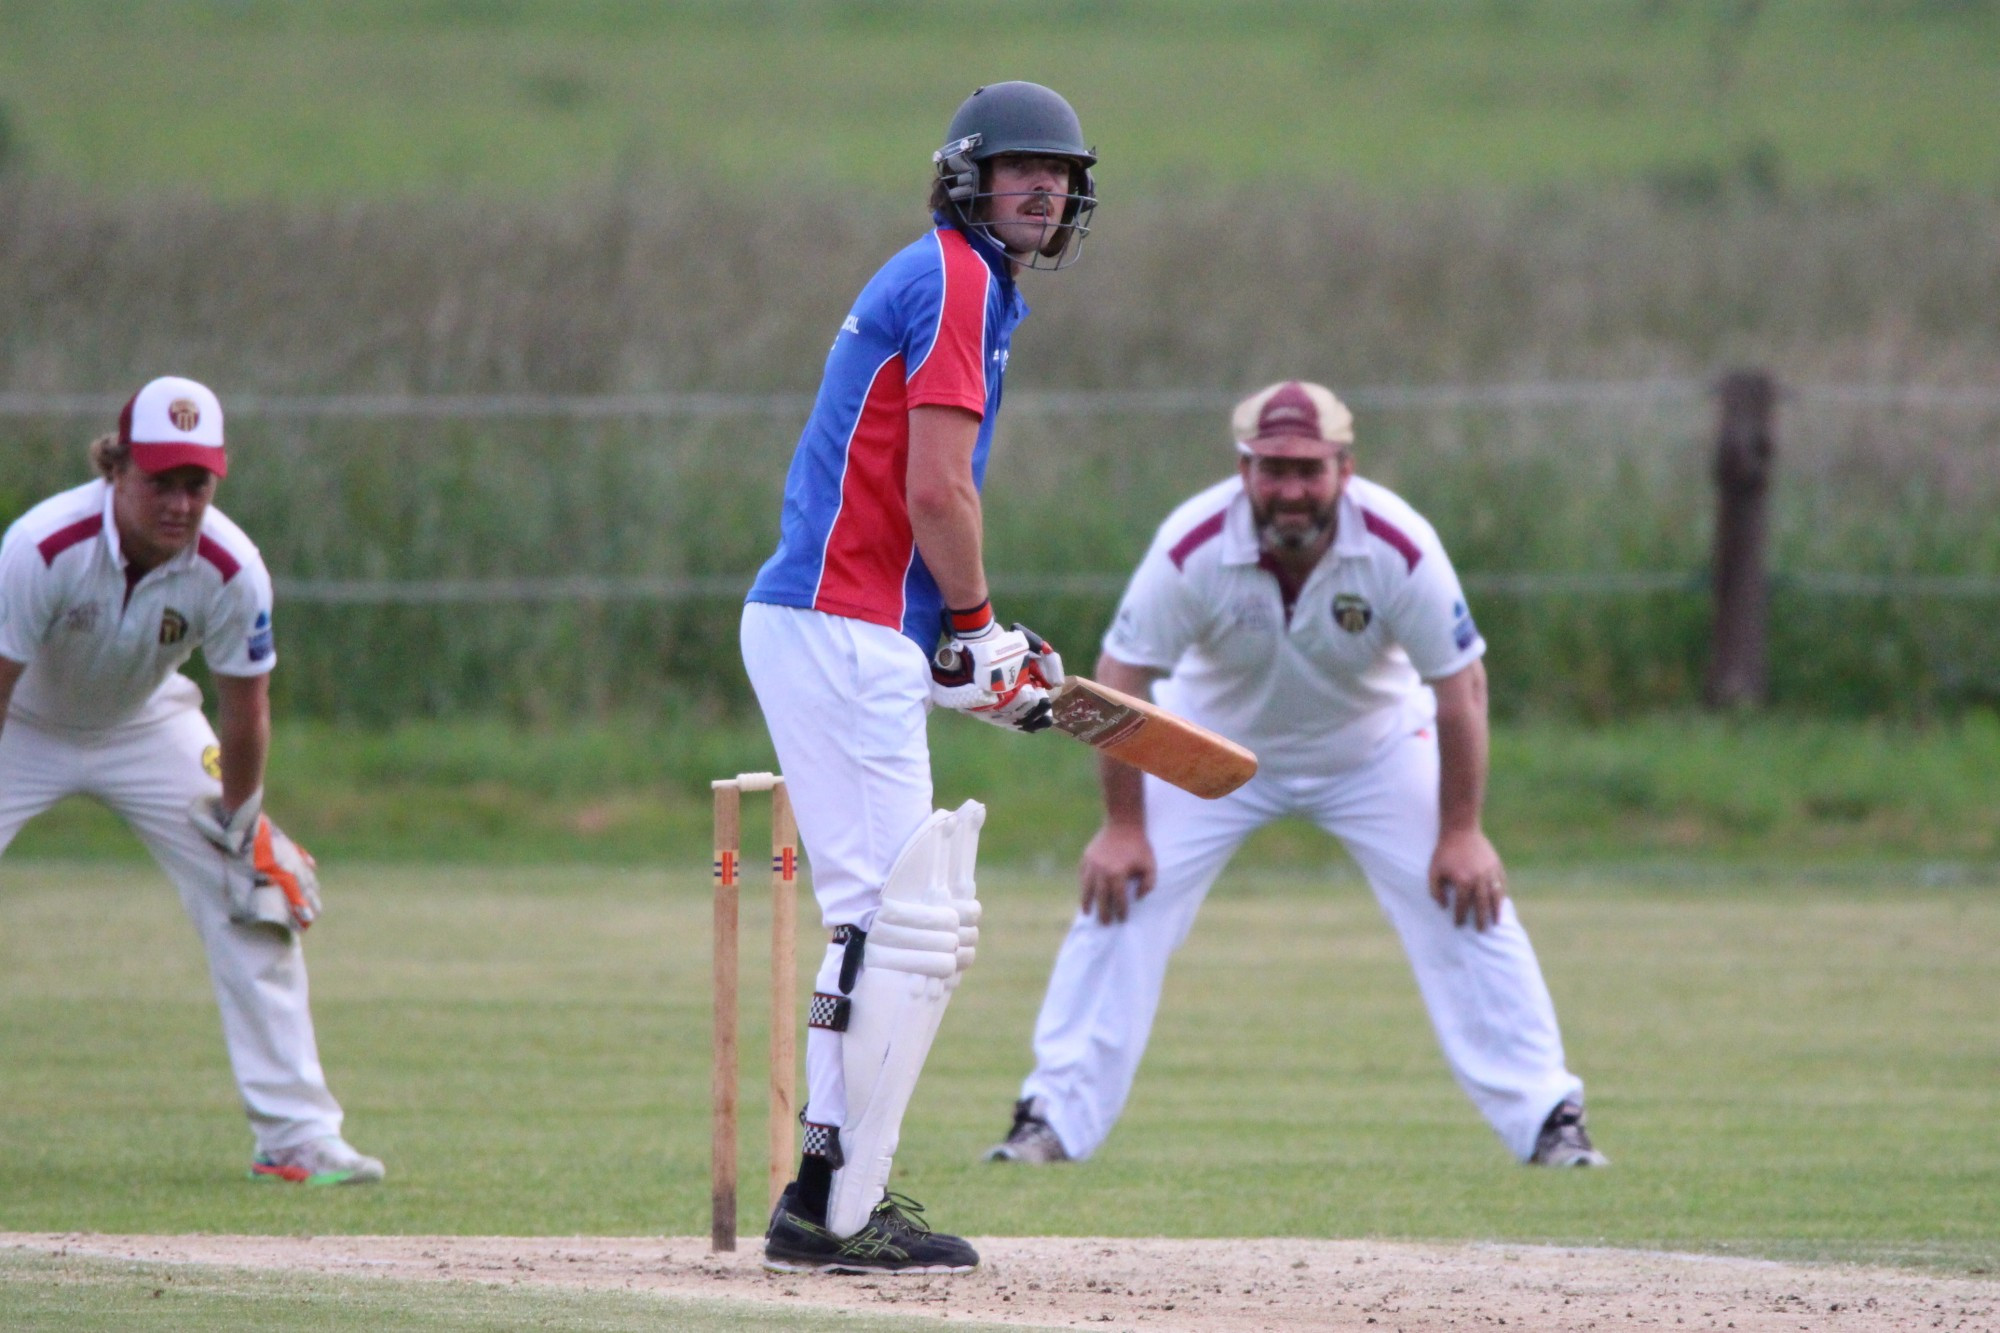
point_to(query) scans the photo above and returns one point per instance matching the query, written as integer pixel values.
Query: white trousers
(149, 772)
(846, 703)
(1484, 989)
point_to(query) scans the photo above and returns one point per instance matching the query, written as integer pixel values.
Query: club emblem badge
(1351, 612)
(184, 414)
(173, 627)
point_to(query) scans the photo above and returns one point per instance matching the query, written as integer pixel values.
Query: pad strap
(822, 1141)
(852, 942)
(829, 1012)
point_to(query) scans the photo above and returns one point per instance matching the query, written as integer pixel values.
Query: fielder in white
(105, 590)
(1314, 617)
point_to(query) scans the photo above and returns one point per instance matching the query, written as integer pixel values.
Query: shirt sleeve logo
(1463, 631)
(173, 627)
(1351, 612)
(260, 637)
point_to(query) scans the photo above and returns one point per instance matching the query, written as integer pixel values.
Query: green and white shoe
(328, 1161)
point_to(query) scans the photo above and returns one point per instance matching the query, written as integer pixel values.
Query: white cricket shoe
(328, 1161)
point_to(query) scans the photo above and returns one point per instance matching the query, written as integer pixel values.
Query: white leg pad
(964, 889)
(909, 968)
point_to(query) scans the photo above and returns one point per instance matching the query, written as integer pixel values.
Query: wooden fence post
(1745, 447)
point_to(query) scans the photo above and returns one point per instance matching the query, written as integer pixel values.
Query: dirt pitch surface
(1215, 1286)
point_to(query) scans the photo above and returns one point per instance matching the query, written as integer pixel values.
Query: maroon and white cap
(1292, 419)
(174, 422)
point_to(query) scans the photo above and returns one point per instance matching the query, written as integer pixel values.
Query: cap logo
(1290, 410)
(184, 414)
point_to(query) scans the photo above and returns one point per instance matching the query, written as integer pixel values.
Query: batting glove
(993, 674)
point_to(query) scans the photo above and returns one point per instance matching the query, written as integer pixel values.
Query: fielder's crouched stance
(880, 535)
(105, 590)
(1314, 617)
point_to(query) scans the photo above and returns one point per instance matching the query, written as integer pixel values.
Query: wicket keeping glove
(268, 879)
(998, 676)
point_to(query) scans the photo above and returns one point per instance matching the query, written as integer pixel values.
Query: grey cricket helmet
(1025, 119)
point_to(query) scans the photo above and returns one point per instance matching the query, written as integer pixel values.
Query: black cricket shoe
(1565, 1140)
(895, 1240)
(1031, 1138)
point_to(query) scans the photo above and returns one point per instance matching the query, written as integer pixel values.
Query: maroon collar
(1289, 585)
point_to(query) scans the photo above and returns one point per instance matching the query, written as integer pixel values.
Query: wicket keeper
(105, 591)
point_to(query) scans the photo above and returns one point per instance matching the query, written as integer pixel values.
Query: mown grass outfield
(1791, 1068)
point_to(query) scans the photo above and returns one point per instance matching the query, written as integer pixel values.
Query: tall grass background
(699, 287)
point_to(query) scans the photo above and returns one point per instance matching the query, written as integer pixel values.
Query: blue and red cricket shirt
(931, 328)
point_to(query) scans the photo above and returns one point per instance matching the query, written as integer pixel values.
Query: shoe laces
(899, 1212)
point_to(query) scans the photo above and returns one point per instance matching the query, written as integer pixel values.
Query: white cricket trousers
(149, 772)
(1484, 989)
(846, 703)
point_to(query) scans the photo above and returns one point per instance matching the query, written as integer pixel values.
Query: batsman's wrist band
(972, 620)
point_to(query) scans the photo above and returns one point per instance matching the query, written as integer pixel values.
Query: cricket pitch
(1215, 1286)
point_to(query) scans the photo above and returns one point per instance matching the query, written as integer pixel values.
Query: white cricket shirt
(99, 650)
(1316, 686)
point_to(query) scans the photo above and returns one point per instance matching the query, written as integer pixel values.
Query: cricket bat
(1149, 738)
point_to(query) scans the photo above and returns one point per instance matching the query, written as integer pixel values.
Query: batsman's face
(159, 513)
(1293, 499)
(1025, 200)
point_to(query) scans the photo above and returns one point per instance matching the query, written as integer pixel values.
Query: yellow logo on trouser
(211, 761)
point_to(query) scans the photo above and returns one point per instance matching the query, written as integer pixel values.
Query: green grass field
(535, 96)
(1792, 1069)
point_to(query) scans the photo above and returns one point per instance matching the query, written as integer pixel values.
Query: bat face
(1148, 737)
(1093, 717)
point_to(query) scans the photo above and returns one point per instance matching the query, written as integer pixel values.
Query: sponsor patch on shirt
(81, 619)
(260, 637)
(211, 760)
(1463, 631)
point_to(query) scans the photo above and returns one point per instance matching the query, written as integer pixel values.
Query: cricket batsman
(878, 558)
(105, 591)
(1312, 616)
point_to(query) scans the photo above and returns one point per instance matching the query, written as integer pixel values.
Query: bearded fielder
(1312, 616)
(879, 555)
(106, 590)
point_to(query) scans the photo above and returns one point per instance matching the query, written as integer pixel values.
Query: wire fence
(1076, 403)
(550, 555)
(792, 408)
(730, 587)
